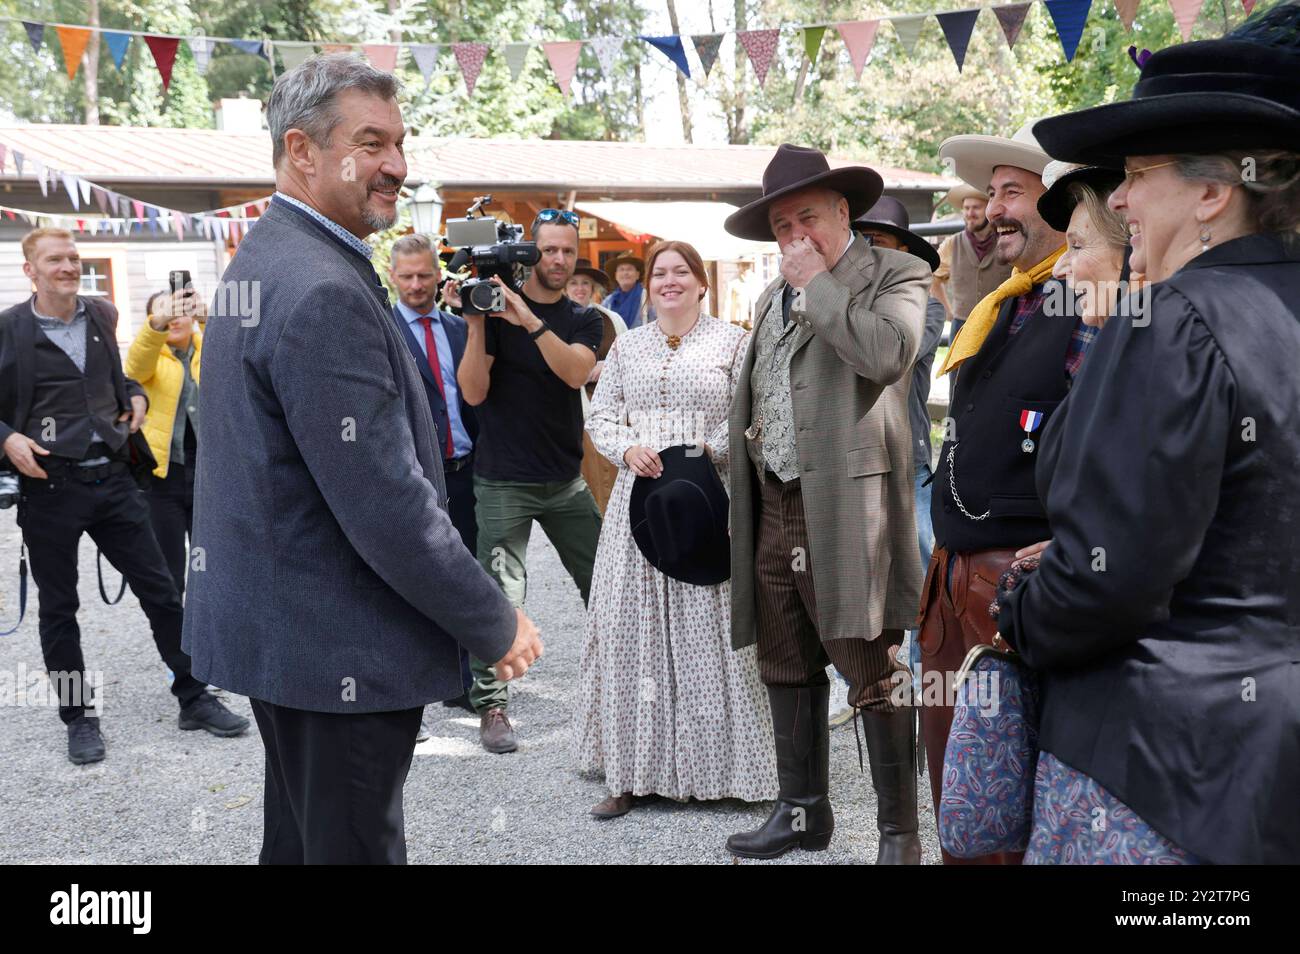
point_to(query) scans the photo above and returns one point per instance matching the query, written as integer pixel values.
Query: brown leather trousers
(954, 617)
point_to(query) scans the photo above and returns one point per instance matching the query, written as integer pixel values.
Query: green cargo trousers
(506, 510)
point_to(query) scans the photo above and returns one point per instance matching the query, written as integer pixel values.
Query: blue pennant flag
(251, 47)
(1069, 16)
(671, 47)
(35, 33)
(117, 44)
(957, 27)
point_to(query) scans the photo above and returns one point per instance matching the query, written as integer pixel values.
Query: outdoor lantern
(426, 210)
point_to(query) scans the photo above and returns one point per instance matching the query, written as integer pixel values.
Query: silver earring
(1205, 238)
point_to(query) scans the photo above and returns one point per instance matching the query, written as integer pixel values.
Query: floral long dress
(666, 706)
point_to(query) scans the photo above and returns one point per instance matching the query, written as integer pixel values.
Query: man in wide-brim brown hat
(823, 533)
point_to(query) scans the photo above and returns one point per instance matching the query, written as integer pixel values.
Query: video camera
(494, 249)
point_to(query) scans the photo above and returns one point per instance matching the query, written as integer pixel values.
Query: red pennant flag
(382, 56)
(163, 49)
(1248, 6)
(761, 47)
(73, 40)
(563, 57)
(858, 39)
(1012, 19)
(81, 225)
(10, 214)
(470, 57)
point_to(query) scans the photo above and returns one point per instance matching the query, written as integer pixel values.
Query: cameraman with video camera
(523, 371)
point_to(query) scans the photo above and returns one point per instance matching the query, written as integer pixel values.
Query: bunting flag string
(1068, 17)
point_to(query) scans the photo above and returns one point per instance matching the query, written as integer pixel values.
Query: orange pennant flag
(73, 40)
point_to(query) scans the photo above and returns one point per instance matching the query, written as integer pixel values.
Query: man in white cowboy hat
(1014, 360)
(825, 499)
(968, 268)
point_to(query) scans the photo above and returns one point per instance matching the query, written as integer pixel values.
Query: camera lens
(483, 297)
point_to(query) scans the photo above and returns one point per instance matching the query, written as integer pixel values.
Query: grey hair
(305, 97)
(1272, 188)
(413, 244)
(1108, 223)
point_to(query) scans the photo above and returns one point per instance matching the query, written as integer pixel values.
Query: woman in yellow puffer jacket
(164, 359)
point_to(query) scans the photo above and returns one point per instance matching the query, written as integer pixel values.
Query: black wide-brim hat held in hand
(679, 519)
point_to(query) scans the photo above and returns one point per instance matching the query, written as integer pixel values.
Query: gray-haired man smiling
(334, 587)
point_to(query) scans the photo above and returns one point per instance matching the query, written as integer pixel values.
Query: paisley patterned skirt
(1077, 822)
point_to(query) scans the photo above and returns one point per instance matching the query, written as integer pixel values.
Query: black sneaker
(85, 744)
(206, 712)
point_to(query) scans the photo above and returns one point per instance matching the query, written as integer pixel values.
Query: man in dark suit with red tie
(437, 342)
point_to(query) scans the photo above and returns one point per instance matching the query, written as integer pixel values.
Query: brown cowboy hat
(612, 267)
(595, 274)
(797, 167)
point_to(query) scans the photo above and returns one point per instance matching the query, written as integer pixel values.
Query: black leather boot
(802, 816)
(891, 746)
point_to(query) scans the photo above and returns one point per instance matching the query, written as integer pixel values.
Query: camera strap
(22, 588)
(99, 571)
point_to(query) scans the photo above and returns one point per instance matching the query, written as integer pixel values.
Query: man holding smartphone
(523, 371)
(66, 414)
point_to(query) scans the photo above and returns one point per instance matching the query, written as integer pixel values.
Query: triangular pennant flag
(1069, 16)
(382, 56)
(138, 207)
(201, 48)
(1185, 14)
(812, 41)
(671, 47)
(1012, 18)
(336, 47)
(101, 199)
(39, 167)
(178, 223)
(908, 30)
(81, 225)
(957, 27)
(706, 48)
(1248, 6)
(607, 49)
(470, 57)
(84, 186)
(859, 37)
(70, 186)
(563, 56)
(1127, 10)
(761, 47)
(35, 33)
(251, 47)
(117, 45)
(295, 54)
(163, 49)
(426, 57)
(516, 54)
(18, 161)
(151, 214)
(73, 40)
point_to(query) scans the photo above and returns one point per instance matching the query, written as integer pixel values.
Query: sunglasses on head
(557, 215)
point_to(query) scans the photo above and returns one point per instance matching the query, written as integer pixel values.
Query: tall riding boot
(802, 816)
(891, 746)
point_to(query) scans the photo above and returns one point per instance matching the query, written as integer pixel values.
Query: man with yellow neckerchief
(1014, 358)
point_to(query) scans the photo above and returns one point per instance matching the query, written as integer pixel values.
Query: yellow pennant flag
(73, 40)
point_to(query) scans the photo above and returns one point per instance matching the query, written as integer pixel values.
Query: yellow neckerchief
(983, 316)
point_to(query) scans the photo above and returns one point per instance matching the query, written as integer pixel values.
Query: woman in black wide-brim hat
(1165, 613)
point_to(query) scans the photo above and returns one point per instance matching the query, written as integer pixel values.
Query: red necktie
(431, 350)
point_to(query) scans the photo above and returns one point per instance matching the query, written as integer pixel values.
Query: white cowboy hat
(975, 157)
(959, 194)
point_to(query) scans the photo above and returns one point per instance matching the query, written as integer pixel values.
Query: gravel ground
(166, 796)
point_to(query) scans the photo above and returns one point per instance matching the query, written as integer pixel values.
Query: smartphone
(180, 279)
